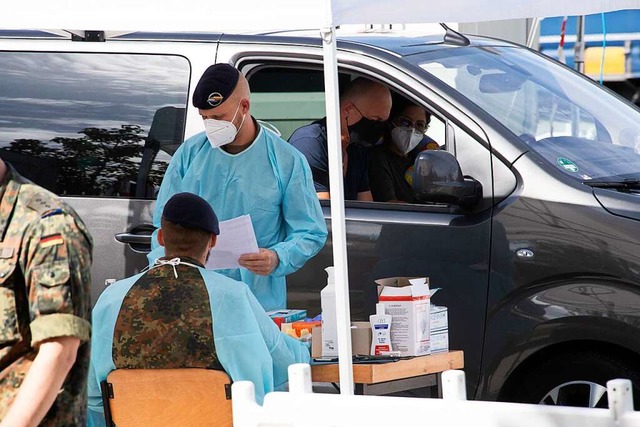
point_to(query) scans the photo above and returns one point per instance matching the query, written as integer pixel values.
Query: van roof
(398, 42)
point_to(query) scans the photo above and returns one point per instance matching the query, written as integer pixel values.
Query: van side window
(288, 98)
(436, 132)
(84, 124)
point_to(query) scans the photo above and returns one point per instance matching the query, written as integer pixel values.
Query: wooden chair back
(167, 397)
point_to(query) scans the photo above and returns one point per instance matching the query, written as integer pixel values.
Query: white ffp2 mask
(222, 132)
(405, 138)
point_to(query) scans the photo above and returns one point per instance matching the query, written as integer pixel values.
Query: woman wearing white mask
(389, 161)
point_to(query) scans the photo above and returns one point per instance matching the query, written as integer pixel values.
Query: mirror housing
(166, 133)
(501, 82)
(437, 178)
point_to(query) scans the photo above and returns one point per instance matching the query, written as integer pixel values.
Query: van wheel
(574, 379)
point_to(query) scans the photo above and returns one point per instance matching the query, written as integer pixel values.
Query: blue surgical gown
(272, 182)
(248, 343)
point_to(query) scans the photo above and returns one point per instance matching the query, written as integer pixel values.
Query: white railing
(301, 407)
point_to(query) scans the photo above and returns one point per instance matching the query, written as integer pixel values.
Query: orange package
(301, 326)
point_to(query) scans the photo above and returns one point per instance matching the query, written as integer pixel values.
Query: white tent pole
(338, 225)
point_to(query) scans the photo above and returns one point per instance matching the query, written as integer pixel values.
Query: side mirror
(437, 178)
(166, 132)
(167, 129)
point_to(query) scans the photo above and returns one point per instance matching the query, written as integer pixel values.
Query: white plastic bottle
(329, 325)
(380, 331)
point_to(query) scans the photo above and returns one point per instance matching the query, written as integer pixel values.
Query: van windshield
(586, 132)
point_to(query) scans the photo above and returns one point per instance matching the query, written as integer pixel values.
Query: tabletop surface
(364, 373)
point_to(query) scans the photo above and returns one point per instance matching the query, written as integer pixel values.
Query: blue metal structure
(621, 33)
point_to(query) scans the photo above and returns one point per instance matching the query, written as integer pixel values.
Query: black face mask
(366, 132)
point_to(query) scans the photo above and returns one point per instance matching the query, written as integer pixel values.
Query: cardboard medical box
(360, 339)
(439, 341)
(439, 318)
(407, 300)
(439, 327)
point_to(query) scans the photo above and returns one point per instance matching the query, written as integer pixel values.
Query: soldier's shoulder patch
(41, 200)
(51, 212)
(51, 240)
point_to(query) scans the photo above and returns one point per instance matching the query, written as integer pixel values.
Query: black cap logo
(215, 99)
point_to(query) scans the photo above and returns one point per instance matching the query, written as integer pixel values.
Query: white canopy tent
(230, 16)
(324, 15)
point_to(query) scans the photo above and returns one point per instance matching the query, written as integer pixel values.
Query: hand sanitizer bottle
(380, 331)
(329, 325)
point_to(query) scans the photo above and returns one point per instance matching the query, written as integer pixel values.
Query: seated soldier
(180, 315)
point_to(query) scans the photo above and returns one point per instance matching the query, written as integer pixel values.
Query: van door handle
(138, 238)
(134, 239)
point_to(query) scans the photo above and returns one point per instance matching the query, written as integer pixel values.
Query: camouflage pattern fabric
(45, 267)
(166, 322)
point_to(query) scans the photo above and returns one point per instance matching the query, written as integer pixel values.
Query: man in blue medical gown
(241, 168)
(180, 315)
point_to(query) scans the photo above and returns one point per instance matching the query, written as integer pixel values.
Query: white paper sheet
(236, 237)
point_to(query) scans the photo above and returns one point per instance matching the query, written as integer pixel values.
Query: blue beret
(215, 86)
(189, 210)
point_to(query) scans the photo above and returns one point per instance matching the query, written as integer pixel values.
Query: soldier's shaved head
(242, 90)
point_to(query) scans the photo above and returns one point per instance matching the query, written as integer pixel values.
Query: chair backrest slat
(176, 397)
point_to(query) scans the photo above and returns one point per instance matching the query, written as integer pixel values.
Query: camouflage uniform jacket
(45, 261)
(180, 315)
(165, 322)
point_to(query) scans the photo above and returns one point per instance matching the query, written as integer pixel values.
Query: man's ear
(346, 110)
(213, 241)
(161, 237)
(245, 104)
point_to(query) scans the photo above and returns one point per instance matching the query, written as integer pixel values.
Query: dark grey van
(537, 251)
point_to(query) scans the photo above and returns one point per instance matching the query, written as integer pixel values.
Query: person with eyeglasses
(364, 107)
(404, 132)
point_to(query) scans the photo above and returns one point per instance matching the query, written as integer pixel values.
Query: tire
(569, 378)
